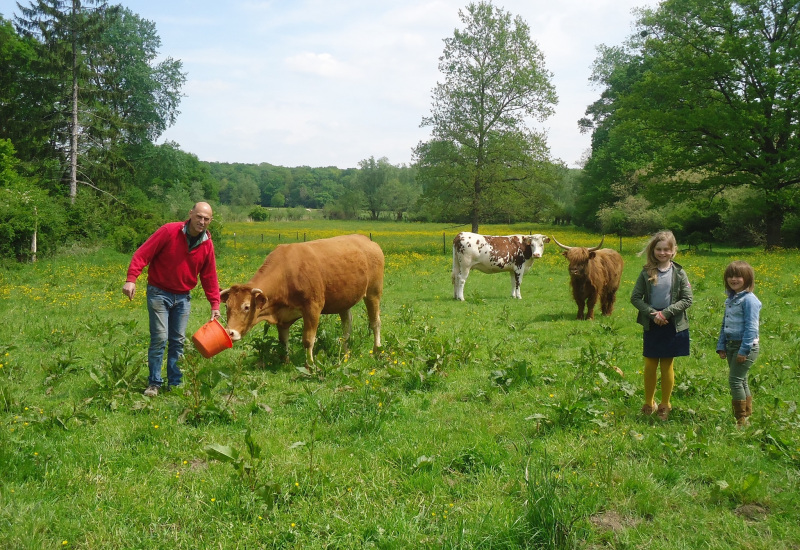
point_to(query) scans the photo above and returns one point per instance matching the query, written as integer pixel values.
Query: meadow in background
(489, 423)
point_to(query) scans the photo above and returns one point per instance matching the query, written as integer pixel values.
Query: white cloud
(321, 64)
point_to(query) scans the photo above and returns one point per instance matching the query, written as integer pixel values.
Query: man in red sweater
(177, 253)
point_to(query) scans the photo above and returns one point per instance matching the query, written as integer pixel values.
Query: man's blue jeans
(169, 315)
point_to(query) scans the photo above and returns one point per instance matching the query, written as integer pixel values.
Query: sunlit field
(489, 423)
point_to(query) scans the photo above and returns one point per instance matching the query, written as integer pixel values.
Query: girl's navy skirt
(663, 341)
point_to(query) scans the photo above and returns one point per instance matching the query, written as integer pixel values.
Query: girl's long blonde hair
(652, 262)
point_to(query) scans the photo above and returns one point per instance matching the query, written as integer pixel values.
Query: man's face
(199, 218)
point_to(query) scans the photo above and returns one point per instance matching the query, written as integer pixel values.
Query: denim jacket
(680, 300)
(740, 322)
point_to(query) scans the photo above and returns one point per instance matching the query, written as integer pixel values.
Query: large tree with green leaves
(705, 97)
(94, 88)
(62, 30)
(483, 155)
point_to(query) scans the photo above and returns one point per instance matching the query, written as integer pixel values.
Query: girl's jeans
(169, 315)
(737, 372)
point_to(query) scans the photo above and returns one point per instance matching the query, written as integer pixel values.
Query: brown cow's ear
(259, 299)
(592, 255)
(223, 295)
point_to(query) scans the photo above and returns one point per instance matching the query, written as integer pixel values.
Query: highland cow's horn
(599, 245)
(561, 245)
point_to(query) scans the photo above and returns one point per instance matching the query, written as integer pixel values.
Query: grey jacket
(680, 299)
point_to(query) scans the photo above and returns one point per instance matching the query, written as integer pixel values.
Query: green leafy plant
(116, 372)
(248, 468)
(200, 392)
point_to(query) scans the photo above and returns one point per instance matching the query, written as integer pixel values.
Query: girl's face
(736, 283)
(663, 252)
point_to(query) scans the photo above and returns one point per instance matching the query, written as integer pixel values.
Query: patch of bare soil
(752, 512)
(611, 521)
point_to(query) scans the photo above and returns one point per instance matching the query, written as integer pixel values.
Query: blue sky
(333, 82)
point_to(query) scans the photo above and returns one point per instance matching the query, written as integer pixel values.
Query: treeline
(85, 96)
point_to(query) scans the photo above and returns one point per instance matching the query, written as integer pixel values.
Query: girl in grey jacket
(662, 294)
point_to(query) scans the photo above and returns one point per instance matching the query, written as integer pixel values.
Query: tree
(711, 102)
(372, 180)
(95, 86)
(63, 29)
(482, 153)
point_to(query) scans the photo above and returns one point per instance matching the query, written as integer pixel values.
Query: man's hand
(215, 314)
(129, 289)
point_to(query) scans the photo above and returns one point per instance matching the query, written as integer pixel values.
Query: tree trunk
(73, 142)
(774, 221)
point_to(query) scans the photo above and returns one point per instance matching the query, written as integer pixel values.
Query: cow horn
(256, 291)
(599, 245)
(561, 245)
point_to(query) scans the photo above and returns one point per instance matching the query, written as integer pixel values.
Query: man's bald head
(199, 217)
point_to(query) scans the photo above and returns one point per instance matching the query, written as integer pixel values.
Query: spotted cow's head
(536, 244)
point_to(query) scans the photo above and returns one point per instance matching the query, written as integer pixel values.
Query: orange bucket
(211, 338)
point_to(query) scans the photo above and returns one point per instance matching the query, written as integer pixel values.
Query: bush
(630, 216)
(259, 214)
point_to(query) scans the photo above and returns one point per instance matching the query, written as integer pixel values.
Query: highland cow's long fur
(594, 275)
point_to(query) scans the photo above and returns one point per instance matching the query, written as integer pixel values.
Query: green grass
(490, 423)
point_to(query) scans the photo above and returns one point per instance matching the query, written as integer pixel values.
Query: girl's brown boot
(740, 412)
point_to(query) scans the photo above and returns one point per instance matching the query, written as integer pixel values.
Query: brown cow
(594, 273)
(307, 280)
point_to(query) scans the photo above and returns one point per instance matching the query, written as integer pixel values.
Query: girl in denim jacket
(738, 337)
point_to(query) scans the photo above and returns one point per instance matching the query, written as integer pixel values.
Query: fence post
(234, 239)
(620, 244)
(444, 243)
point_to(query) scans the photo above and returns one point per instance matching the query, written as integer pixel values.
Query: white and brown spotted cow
(306, 280)
(490, 254)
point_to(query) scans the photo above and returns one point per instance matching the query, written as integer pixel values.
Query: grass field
(490, 423)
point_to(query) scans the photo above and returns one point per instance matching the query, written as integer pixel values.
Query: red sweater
(173, 267)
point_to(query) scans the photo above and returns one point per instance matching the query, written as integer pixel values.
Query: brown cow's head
(242, 305)
(578, 257)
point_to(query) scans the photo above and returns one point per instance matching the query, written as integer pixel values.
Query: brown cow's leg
(283, 338)
(607, 303)
(590, 303)
(373, 304)
(347, 327)
(310, 325)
